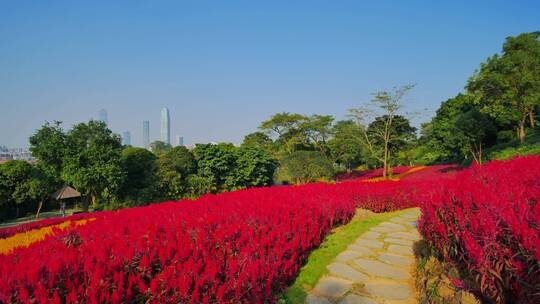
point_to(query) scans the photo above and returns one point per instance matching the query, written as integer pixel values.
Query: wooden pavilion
(66, 193)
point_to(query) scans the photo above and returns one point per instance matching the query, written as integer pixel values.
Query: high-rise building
(126, 138)
(165, 126)
(146, 134)
(103, 116)
(179, 140)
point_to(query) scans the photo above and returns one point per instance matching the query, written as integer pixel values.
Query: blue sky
(222, 67)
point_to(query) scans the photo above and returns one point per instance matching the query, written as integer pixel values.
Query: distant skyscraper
(165, 126)
(146, 134)
(126, 139)
(103, 116)
(179, 140)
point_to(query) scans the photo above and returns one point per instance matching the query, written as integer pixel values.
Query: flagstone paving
(376, 269)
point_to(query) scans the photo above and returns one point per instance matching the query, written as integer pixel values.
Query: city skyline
(225, 67)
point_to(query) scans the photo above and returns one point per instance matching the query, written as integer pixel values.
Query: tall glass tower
(146, 134)
(126, 138)
(179, 140)
(165, 126)
(103, 116)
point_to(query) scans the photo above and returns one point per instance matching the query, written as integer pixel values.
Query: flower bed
(486, 221)
(11, 231)
(247, 246)
(25, 239)
(242, 246)
(369, 174)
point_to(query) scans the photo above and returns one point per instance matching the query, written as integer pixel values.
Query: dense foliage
(302, 167)
(500, 103)
(90, 158)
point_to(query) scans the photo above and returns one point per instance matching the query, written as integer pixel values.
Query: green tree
(198, 185)
(287, 128)
(306, 166)
(169, 181)
(507, 86)
(174, 167)
(389, 102)
(48, 145)
(92, 162)
(259, 140)
(475, 130)
(183, 160)
(140, 166)
(41, 186)
(281, 123)
(403, 135)
(254, 167)
(441, 136)
(16, 178)
(346, 146)
(216, 162)
(159, 147)
(318, 130)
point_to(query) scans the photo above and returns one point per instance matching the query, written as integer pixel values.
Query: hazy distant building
(126, 139)
(146, 134)
(179, 140)
(103, 116)
(15, 154)
(165, 126)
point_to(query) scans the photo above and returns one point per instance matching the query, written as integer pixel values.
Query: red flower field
(486, 221)
(241, 246)
(247, 246)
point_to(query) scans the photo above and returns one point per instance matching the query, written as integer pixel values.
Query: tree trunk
(480, 154)
(473, 153)
(93, 197)
(84, 203)
(531, 118)
(39, 208)
(522, 131)
(385, 160)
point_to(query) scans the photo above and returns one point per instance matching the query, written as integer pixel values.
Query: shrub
(306, 166)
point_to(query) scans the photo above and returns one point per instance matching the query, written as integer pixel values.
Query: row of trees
(314, 147)
(499, 104)
(90, 158)
(497, 108)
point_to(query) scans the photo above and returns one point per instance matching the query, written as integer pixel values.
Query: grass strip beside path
(333, 244)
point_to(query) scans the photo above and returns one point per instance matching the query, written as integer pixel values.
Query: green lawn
(332, 245)
(32, 218)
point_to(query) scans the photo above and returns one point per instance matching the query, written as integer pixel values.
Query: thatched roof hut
(66, 192)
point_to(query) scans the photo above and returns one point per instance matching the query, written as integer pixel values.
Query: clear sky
(222, 67)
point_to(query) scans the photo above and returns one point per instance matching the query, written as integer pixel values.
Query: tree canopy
(92, 162)
(507, 86)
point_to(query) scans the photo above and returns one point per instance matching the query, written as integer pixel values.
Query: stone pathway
(377, 268)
